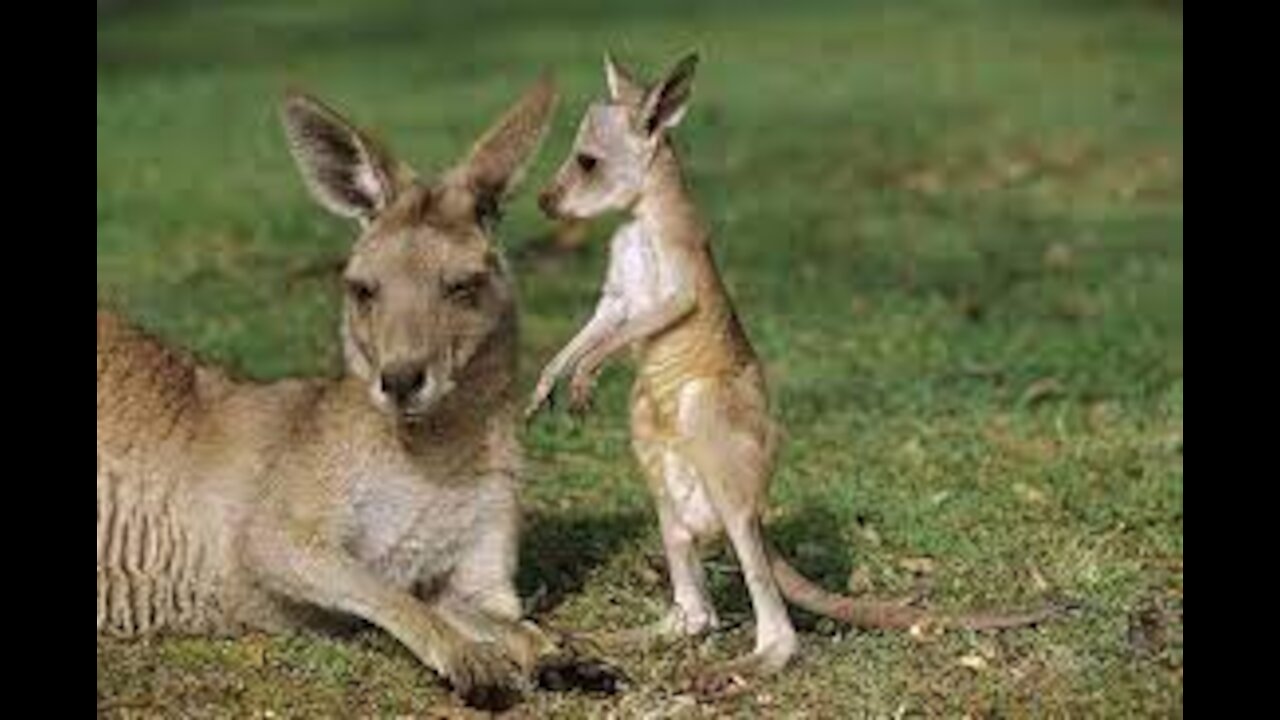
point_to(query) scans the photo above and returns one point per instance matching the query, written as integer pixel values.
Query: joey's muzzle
(549, 202)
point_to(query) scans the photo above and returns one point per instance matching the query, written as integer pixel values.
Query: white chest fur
(409, 529)
(640, 274)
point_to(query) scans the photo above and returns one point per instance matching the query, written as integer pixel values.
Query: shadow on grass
(811, 542)
(560, 550)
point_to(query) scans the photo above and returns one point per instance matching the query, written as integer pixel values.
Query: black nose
(547, 201)
(402, 381)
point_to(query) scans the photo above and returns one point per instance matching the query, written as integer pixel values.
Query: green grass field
(954, 233)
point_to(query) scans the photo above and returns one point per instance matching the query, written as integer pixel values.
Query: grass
(954, 232)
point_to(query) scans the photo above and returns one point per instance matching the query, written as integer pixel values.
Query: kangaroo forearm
(330, 580)
(521, 640)
(590, 336)
(603, 324)
(643, 326)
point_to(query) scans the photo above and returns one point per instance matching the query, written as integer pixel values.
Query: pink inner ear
(657, 114)
(651, 123)
(672, 95)
(372, 182)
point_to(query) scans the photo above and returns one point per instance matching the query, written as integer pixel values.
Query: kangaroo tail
(880, 614)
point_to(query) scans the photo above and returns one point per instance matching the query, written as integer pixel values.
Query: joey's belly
(688, 496)
(672, 360)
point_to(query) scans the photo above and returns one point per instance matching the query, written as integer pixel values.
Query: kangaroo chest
(639, 274)
(411, 530)
(642, 275)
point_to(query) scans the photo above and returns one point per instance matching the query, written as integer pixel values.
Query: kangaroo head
(617, 141)
(428, 296)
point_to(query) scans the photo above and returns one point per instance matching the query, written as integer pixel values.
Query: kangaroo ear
(623, 87)
(665, 103)
(499, 158)
(345, 171)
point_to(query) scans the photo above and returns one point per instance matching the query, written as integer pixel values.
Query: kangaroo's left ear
(345, 170)
(665, 103)
(623, 87)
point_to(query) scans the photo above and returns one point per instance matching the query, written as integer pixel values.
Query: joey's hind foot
(673, 627)
(726, 680)
(738, 675)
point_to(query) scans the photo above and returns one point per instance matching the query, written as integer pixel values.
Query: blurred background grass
(953, 229)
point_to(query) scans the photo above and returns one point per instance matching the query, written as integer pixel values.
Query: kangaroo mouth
(412, 416)
(412, 408)
(549, 203)
(415, 411)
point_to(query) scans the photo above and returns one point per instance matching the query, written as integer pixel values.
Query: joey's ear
(345, 171)
(665, 103)
(623, 87)
(497, 161)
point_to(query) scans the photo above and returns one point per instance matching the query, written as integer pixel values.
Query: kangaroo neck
(665, 208)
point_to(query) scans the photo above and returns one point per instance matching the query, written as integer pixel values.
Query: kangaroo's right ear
(345, 171)
(499, 158)
(623, 87)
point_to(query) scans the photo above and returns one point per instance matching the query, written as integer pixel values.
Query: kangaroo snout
(401, 382)
(549, 201)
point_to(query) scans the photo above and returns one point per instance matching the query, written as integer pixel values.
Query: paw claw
(566, 673)
(484, 677)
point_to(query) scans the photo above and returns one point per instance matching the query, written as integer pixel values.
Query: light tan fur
(388, 495)
(700, 423)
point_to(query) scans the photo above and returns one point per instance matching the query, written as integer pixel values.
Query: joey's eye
(361, 292)
(587, 163)
(466, 290)
(487, 210)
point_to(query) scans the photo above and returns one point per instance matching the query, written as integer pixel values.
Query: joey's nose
(547, 201)
(401, 382)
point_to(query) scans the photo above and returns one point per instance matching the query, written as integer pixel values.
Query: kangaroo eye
(362, 292)
(587, 163)
(467, 290)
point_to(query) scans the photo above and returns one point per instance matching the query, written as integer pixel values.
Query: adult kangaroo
(389, 493)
